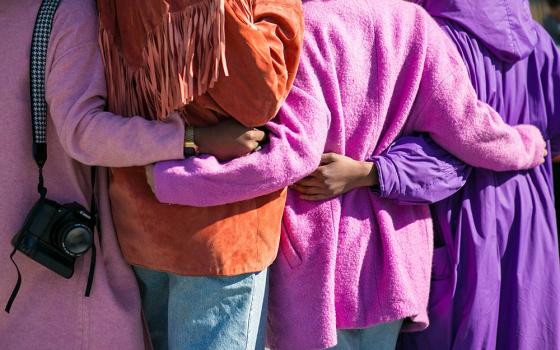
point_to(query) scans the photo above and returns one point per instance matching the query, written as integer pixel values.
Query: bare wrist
(368, 174)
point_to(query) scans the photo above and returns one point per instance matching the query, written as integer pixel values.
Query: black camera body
(54, 235)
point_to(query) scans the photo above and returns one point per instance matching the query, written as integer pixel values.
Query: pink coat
(382, 68)
(51, 312)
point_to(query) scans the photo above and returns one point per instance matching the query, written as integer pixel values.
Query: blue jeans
(381, 337)
(199, 313)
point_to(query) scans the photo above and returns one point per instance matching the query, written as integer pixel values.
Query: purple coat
(496, 275)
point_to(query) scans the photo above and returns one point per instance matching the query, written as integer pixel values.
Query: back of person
(342, 77)
(496, 281)
(51, 312)
(376, 69)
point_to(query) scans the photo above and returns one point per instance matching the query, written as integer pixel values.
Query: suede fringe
(182, 57)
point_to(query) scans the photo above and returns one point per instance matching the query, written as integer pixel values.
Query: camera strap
(96, 224)
(38, 63)
(39, 110)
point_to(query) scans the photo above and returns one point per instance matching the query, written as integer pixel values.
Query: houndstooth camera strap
(38, 63)
(39, 109)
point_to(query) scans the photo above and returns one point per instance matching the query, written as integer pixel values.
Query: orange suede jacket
(230, 239)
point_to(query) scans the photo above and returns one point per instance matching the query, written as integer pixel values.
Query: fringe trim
(244, 10)
(182, 57)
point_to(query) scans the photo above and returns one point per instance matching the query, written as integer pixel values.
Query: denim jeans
(381, 337)
(199, 313)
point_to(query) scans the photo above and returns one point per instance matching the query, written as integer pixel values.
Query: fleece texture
(375, 70)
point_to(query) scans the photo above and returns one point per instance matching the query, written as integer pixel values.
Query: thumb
(327, 158)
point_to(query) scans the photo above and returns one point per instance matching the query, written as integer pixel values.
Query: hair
(553, 3)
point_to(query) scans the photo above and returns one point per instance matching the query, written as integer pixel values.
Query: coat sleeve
(447, 108)
(415, 170)
(76, 96)
(296, 141)
(263, 44)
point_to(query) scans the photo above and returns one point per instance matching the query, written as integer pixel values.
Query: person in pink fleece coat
(371, 73)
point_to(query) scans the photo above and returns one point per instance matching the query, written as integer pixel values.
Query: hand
(227, 140)
(336, 175)
(545, 154)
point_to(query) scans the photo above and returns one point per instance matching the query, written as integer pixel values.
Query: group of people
(316, 174)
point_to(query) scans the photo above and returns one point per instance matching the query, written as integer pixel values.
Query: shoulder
(74, 29)
(402, 26)
(75, 23)
(321, 12)
(399, 12)
(77, 12)
(404, 23)
(336, 18)
(389, 25)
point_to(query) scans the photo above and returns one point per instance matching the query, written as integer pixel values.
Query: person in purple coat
(496, 273)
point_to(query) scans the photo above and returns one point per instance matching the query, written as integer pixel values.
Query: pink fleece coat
(373, 71)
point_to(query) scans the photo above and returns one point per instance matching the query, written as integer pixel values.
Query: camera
(54, 235)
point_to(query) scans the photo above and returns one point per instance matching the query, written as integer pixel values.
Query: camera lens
(76, 239)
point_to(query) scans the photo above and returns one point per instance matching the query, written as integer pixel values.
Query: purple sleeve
(297, 140)
(415, 170)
